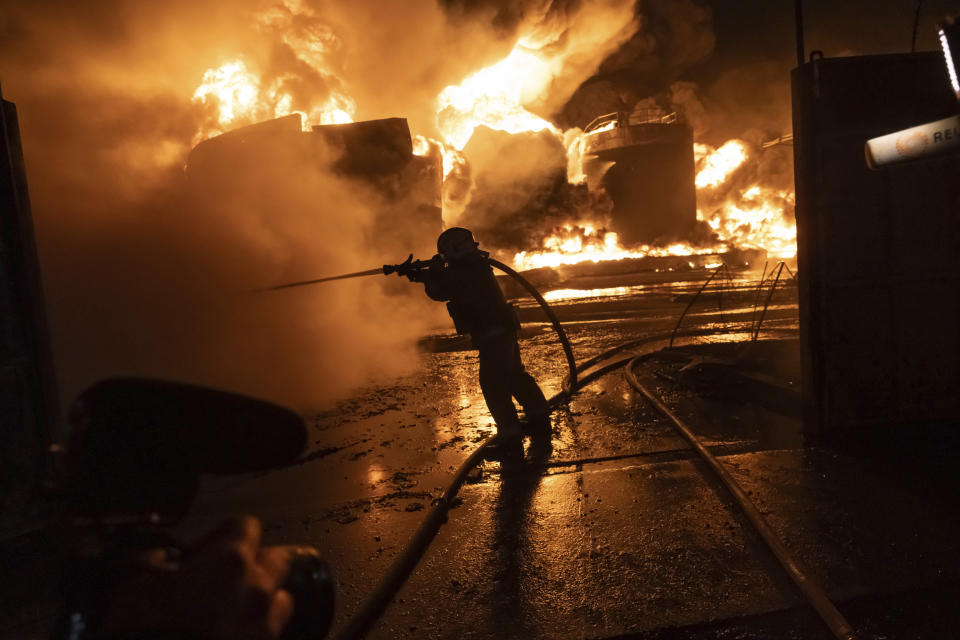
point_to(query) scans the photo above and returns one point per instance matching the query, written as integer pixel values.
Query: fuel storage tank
(651, 182)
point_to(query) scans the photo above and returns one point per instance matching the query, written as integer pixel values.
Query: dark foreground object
(879, 300)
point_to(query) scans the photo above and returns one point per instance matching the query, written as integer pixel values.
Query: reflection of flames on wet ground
(739, 214)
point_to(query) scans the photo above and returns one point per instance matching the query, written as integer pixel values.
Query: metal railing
(623, 118)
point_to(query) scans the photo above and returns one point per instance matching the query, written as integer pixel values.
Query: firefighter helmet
(456, 241)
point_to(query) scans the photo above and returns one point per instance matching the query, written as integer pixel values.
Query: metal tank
(651, 182)
(877, 249)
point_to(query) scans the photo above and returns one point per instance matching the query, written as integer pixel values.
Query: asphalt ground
(616, 529)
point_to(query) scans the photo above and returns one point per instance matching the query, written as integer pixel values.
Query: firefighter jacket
(474, 299)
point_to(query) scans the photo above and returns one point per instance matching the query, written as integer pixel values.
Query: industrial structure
(270, 159)
(651, 182)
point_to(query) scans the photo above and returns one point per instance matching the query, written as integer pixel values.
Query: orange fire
(494, 97)
(757, 218)
(503, 96)
(236, 95)
(452, 157)
(572, 243)
(551, 56)
(718, 164)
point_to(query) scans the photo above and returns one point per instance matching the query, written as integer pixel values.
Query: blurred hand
(228, 588)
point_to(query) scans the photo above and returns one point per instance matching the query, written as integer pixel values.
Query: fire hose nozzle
(400, 269)
(410, 266)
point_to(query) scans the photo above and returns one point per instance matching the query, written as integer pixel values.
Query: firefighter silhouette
(461, 276)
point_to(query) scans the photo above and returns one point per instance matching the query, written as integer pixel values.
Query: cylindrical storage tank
(651, 182)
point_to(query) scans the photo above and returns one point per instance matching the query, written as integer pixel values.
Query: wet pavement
(620, 530)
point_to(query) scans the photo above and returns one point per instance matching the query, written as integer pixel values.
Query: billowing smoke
(139, 278)
(673, 35)
(521, 187)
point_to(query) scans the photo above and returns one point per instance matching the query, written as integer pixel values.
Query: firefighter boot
(537, 426)
(506, 446)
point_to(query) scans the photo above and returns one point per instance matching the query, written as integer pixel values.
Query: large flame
(572, 243)
(494, 97)
(754, 217)
(452, 157)
(236, 95)
(718, 164)
(503, 96)
(757, 218)
(232, 90)
(551, 57)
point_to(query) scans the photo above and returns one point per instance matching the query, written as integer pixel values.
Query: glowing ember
(719, 164)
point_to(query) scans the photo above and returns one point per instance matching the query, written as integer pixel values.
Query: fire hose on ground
(810, 589)
(391, 583)
(377, 602)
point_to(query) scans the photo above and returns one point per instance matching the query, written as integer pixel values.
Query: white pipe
(923, 141)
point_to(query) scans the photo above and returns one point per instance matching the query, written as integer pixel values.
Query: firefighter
(461, 276)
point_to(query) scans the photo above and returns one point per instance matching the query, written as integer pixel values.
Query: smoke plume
(139, 279)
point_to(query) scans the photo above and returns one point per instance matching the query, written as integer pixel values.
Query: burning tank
(265, 162)
(651, 182)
